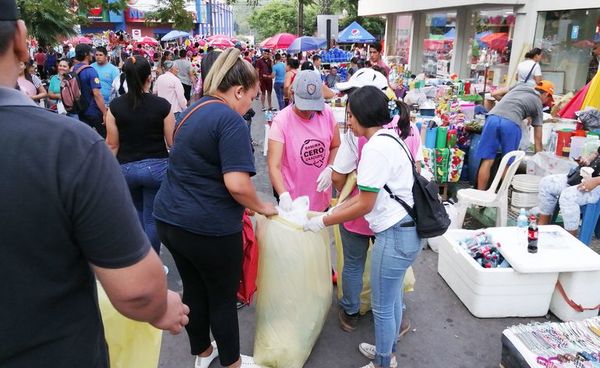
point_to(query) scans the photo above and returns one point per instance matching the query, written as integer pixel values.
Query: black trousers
(96, 122)
(210, 268)
(187, 91)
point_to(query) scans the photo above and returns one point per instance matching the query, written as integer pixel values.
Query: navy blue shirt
(212, 142)
(65, 204)
(89, 81)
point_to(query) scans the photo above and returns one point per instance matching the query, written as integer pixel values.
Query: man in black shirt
(66, 216)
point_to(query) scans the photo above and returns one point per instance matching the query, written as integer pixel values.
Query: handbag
(428, 211)
(574, 176)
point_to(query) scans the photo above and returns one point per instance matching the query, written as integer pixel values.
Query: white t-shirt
(524, 68)
(382, 162)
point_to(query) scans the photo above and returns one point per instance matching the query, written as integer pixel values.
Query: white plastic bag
(299, 213)
(294, 292)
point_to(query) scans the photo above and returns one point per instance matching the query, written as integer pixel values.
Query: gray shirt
(520, 102)
(184, 66)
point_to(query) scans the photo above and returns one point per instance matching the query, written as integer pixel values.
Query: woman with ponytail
(200, 204)
(139, 131)
(384, 165)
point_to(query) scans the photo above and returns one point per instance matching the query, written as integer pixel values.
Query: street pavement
(443, 335)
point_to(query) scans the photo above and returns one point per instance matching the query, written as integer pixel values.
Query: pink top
(26, 86)
(305, 152)
(169, 87)
(413, 141)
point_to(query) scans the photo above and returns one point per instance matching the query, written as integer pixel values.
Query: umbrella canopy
(306, 43)
(222, 43)
(262, 44)
(496, 41)
(147, 41)
(217, 36)
(80, 39)
(451, 34)
(280, 41)
(173, 35)
(355, 33)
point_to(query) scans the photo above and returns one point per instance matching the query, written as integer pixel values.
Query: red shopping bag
(249, 262)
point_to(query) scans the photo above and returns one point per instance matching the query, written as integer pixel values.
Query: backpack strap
(193, 110)
(410, 210)
(529, 75)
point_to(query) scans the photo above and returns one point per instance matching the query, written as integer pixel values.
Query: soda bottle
(532, 235)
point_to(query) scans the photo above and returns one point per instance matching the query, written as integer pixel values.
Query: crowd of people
(169, 160)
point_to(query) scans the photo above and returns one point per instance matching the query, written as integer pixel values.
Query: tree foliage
(50, 20)
(172, 11)
(281, 16)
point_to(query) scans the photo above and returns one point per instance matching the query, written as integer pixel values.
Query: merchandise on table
(553, 344)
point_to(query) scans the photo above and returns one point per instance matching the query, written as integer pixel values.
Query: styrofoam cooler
(492, 292)
(581, 287)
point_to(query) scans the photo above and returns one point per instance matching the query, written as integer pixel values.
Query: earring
(239, 97)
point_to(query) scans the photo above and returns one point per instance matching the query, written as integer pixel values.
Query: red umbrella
(280, 41)
(80, 39)
(217, 36)
(496, 41)
(262, 44)
(147, 41)
(223, 42)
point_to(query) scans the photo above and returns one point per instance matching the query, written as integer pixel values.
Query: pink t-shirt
(306, 147)
(26, 87)
(413, 141)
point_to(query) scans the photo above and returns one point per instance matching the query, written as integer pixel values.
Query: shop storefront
(474, 39)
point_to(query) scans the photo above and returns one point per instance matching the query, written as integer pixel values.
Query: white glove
(315, 224)
(324, 179)
(285, 201)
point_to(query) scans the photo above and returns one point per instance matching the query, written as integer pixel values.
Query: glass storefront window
(567, 38)
(400, 51)
(491, 45)
(439, 45)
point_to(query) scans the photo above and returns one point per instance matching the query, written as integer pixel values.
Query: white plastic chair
(494, 196)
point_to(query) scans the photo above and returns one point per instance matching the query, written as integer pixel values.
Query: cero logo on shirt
(313, 152)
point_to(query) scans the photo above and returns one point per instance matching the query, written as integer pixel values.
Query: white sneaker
(368, 351)
(204, 362)
(248, 362)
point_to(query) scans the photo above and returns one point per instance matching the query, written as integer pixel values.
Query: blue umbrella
(173, 35)
(306, 43)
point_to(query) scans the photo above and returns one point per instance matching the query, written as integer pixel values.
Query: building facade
(210, 17)
(468, 36)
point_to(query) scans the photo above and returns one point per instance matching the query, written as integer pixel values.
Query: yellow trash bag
(365, 294)
(130, 343)
(294, 292)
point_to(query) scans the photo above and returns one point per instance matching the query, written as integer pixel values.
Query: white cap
(364, 77)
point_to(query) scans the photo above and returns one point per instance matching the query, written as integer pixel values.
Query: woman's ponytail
(403, 119)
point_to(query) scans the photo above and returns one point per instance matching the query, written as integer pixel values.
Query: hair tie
(393, 107)
(132, 59)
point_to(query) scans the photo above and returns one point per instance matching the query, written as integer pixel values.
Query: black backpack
(428, 212)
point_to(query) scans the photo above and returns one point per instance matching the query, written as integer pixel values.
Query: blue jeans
(279, 93)
(355, 255)
(144, 178)
(395, 250)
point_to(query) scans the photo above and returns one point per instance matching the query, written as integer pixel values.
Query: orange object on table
(564, 140)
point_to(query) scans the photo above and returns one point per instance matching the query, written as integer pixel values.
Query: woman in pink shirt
(303, 141)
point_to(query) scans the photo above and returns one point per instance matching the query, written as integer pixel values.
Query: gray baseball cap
(308, 92)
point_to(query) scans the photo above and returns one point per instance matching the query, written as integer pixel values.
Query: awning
(355, 33)
(378, 7)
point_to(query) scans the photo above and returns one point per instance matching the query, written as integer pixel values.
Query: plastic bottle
(532, 235)
(522, 221)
